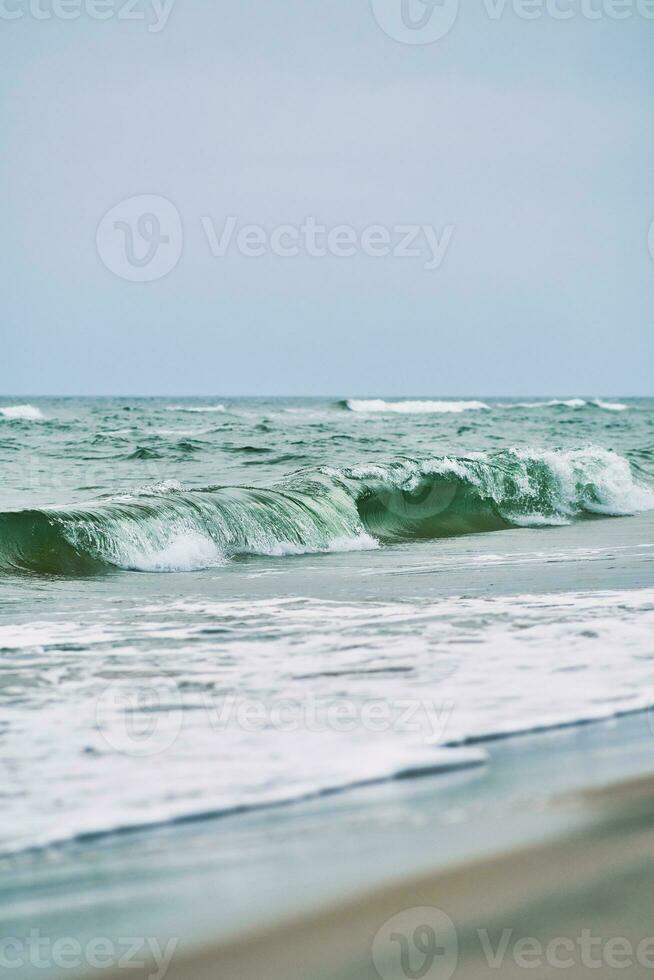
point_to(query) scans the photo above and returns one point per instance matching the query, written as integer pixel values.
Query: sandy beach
(571, 907)
(327, 498)
(515, 860)
(310, 728)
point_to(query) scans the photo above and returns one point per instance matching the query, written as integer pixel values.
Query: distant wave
(549, 403)
(167, 528)
(22, 413)
(569, 403)
(429, 406)
(195, 408)
(411, 407)
(610, 406)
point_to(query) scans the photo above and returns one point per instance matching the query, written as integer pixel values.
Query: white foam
(360, 542)
(356, 542)
(23, 413)
(188, 551)
(550, 403)
(568, 403)
(413, 407)
(133, 742)
(610, 406)
(150, 490)
(196, 408)
(616, 492)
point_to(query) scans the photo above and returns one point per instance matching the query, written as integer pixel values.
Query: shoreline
(530, 891)
(221, 889)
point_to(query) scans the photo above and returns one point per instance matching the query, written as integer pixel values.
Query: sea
(217, 606)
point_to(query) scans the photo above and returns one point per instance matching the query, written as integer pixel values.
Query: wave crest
(196, 408)
(22, 413)
(570, 403)
(432, 406)
(166, 527)
(418, 407)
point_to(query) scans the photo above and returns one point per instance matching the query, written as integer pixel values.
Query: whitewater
(206, 603)
(166, 527)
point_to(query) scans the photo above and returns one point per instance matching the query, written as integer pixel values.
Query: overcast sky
(525, 148)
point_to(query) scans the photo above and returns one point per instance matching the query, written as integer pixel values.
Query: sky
(389, 197)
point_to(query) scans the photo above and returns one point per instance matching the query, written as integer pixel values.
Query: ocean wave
(610, 406)
(430, 406)
(166, 527)
(196, 408)
(549, 403)
(569, 403)
(418, 407)
(22, 413)
(567, 659)
(185, 551)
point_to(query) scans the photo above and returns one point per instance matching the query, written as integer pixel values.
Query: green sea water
(153, 485)
(211, 605)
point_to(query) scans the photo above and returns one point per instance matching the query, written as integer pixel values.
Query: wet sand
(579, 905)
(313, 883)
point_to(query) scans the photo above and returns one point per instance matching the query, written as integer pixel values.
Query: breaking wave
(411, 407)
(570, 403)
(167, 527)
(22, 413)
(196, 408)
(429, 406)
(610, 406)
